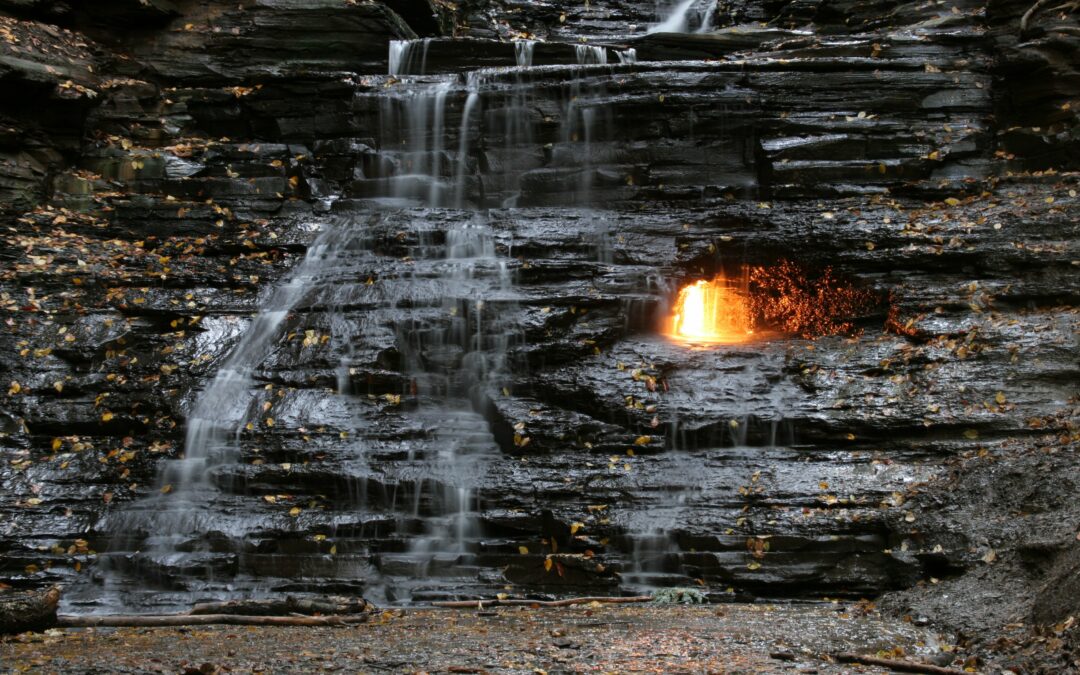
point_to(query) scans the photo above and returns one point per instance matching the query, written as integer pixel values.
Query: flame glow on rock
(711, 312)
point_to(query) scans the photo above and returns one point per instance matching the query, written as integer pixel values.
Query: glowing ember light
(711, 312)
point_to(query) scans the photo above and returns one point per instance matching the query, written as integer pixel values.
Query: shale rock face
(405, 330)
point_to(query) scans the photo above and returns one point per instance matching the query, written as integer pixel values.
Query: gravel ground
(715, 639)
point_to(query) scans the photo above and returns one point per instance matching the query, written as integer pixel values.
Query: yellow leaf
(643, 440)
(753, 566)
(58, 386)
(574, 527)
(523, 550)
(320, 537)
(952, 201)
(106, 417)
(333, 550)
(1000, 398)
(166, 489)
(56, 443)
(971, 434)
(15, 388)
(269, 499)
(269, 421)
(294, 511)
(548, 564)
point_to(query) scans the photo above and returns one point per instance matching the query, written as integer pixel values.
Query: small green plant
(678, 596)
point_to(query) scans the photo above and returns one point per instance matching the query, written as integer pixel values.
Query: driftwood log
(901, 666)
(480, 604)
(28, 610)
(287, 606)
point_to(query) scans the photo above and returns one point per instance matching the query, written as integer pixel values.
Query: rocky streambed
(371, 298)
(685, 639)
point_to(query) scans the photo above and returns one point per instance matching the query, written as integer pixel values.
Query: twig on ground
(902, 666)
(481, 604)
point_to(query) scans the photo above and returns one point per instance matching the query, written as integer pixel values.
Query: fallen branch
(289, 605)
(481, 604)
(161, 620)
(902, 666)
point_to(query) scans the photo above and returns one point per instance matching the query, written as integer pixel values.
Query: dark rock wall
(163, 164)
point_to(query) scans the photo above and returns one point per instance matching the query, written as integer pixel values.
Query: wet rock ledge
(164, 165)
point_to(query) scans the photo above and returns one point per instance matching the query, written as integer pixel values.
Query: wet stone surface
(276, 321)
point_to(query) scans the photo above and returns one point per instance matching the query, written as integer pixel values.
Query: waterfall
(223, 406)
(708, 22)
(680, 17)
(419, 116)
(590, 54)
(523, 52)
(449, 322)
(403, 57)
(463, 143)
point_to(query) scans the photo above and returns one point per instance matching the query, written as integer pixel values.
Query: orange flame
(711, 312)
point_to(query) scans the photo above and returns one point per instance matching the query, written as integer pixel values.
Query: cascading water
(683, 16)
(404, 55)
(591, 54)
(450, 321)
(169, 529)
(523, 52)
